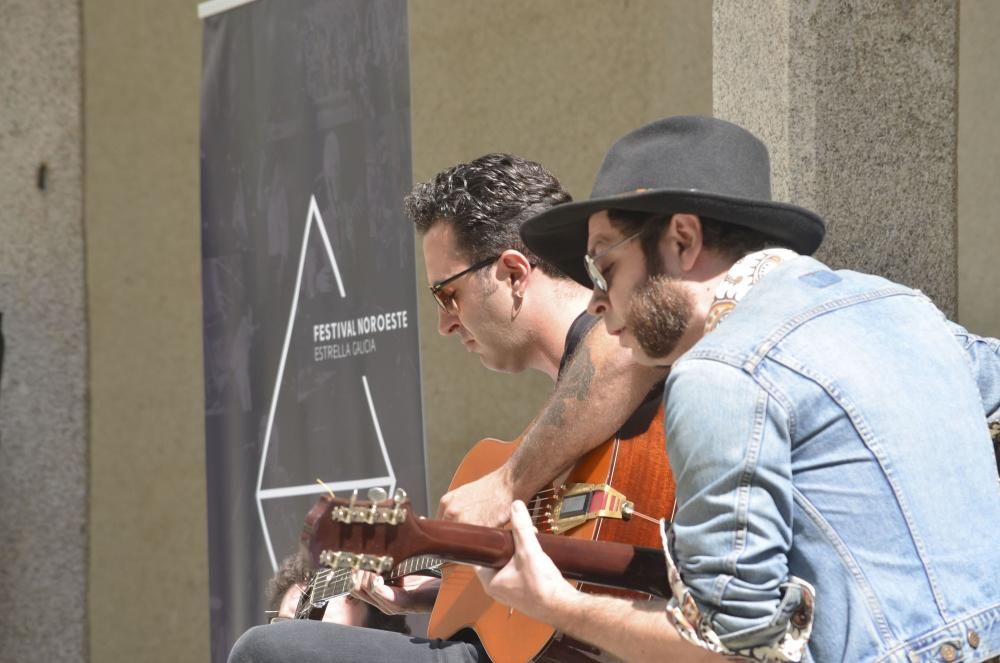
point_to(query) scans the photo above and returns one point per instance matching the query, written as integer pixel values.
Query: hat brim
(559, 235)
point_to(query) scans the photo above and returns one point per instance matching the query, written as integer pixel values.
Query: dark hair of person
(294, 569)
(486, 201)
(297, 569)
(731, 240)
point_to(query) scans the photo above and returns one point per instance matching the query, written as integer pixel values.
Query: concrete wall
(148, 567)
(43, 414)
(978, 166)
(856, 101)
(556, 82)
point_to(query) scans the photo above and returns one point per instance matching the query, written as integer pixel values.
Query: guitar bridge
(577, 503)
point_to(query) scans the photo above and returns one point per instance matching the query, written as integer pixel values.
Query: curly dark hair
(296, 569)
(486, 201)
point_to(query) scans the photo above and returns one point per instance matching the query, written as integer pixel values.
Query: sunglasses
(594, 272)
(447, 301)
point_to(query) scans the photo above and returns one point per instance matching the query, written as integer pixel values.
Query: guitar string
(537, 512)
(542, 518)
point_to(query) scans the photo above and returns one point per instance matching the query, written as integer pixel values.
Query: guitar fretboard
(416, 564)
(328, 584)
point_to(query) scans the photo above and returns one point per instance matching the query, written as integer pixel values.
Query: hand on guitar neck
(406, 595)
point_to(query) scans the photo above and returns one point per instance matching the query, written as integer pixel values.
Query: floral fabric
(742, 276)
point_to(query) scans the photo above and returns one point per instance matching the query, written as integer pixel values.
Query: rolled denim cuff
(784, 638)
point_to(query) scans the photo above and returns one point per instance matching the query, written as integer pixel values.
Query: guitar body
(636, 467)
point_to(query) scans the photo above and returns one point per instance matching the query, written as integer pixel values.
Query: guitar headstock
(368, 535)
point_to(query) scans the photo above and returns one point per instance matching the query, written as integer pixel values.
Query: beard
(658, 315)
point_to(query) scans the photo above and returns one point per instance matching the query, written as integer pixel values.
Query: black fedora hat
(694, 165)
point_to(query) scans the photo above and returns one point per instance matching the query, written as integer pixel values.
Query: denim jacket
(832, 429)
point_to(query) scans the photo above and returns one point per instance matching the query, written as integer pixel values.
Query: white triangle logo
(389, 480)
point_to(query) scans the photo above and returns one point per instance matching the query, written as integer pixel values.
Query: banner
(310, 322)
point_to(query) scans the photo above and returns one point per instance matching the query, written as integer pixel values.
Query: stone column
(43, 411)
(857, 101)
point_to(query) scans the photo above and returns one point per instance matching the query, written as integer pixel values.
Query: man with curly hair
(516, 312)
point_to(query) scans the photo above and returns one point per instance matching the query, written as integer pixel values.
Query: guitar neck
(415, 565)
(595, 562)
(328, 584)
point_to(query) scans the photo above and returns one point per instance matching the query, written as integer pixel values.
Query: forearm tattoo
(574, 385)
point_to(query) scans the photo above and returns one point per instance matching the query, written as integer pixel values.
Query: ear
(514, 268)
(684, 240)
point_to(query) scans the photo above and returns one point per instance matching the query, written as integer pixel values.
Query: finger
(357, 588)
(525, 538)
(387, 599)
(447, 507)
(364, 587)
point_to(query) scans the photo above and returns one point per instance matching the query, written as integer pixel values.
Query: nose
(447, 322)
(598, 304)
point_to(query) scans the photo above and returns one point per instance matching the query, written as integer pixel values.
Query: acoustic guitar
(615, 493)
(348, 534)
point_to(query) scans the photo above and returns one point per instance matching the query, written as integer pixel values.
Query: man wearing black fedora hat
(837, 497)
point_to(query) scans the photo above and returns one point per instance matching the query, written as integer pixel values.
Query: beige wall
(148, 571)
(557, 82)
(979, 166)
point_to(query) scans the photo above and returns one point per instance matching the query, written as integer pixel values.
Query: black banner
(310, 321)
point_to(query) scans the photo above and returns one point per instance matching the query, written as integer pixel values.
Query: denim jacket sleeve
(728, 438)
(983, 354)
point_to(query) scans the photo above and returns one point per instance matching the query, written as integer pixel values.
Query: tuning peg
(377, 494)
(354, 498)
(400, 496)
(375, 564)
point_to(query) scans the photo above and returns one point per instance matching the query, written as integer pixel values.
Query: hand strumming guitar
(485, 501)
